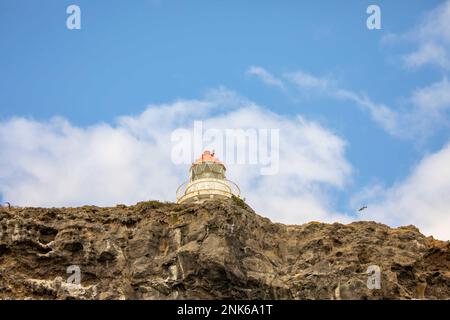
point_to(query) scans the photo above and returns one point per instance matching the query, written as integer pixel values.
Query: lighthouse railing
(181, 191)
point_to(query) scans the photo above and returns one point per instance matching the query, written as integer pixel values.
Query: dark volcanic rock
(218, 249)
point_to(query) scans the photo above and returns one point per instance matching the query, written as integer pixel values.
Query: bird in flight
(362, 208)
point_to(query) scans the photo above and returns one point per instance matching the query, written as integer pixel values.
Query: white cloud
(434, 98)
(265, 76)
(308, 81)
(428, 52)
(433, 39)
(56, 163)
(422, 199)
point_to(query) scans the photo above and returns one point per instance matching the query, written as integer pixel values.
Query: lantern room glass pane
(207, 170)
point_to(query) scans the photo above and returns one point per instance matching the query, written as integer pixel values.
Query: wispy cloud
(381, 114)
(433, 98)
(428, 53)
(265, 76)
(308, 81)
(432, 38)
(423, 114)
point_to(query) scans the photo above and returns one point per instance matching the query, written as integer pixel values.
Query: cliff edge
(214, 250)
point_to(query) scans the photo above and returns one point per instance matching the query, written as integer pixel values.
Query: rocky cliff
(218, 249)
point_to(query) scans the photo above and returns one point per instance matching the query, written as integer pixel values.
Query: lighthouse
(206, 181)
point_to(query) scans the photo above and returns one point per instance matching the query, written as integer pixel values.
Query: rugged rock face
(218, 249)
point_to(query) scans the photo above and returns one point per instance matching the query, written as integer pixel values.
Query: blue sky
(129, 55)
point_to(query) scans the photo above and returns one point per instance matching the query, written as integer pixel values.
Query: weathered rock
(218, 249)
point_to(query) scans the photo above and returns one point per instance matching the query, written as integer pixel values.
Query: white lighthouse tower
(207, 181)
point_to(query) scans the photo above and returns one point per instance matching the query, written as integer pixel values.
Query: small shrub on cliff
(146, 205)
(239, 202)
